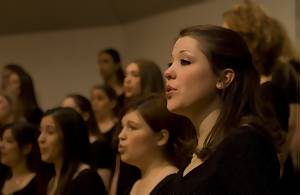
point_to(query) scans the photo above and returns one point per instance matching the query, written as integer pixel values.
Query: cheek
(137, 85)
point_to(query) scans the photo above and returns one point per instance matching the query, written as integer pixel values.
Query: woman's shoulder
(87, 181)
(30, 188)
(166, 185)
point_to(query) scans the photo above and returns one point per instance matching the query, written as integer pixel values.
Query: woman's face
(5, 109)
(136, 140)
(191, 83)
(50, 140)
(101, 103)
(70, 103)
(11, 153)
(132, 81)
(107, 66)
(13, 85)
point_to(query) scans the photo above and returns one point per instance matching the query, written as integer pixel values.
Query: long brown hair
(241, 104)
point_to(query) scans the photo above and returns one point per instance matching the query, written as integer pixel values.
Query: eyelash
(184, 62)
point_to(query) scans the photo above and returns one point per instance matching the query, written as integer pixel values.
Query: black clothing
(290, 180)
(244, 163)
(128, 176)
(88, 182)
(29, 189)
(162, 186)
(3, 174)
(102, 154)
(35, 116)
(285, 77)
(277, 99)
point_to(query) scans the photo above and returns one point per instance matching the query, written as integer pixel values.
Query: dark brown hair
(182, 134)
(225, 48)
(151, 77)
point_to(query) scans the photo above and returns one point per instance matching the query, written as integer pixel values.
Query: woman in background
(64, 142)
(19, 152)
(102, 154)
(18, 84)
(155, 141)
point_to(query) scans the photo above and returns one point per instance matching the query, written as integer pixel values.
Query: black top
(290, 180)
(35, 116)
(3, 174)
(245, 163)
(88, 182)
(128, 176)
(102, 154)
(277, 99)
(162, 186)
(29, 189)
(285, 77)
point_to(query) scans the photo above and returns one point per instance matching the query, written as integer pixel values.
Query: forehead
(105, 56)
(132, 67)
(133, 116)
(98, 91)
(7, 133)
(69, 101)
(48, 121)
(186, 44)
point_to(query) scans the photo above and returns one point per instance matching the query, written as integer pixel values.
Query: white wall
(153, 37)
(65, 61)
(60, 62)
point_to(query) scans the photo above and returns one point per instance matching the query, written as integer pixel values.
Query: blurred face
(11, 153)
(191, 83)
(106, 65)
(13, 85)
(50, 140)
(5, 76)
(136, 140)
(70, 103)
(5, 109)
(132, 81)
(101, 103)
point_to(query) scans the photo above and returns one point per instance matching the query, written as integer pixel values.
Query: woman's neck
(152, 174)
(204, 121)
(20, 169)
(57, 167)
(105, 122)
(155, 167)
(113, 83)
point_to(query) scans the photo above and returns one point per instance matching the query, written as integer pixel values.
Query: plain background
(64, 62)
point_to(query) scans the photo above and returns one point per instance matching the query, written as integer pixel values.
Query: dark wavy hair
(241, 103)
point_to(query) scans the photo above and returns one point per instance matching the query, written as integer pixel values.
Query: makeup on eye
(184, 62)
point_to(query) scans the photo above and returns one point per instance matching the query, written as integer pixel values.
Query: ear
(85, 116)
(226, 78)
(163, 137)
(26, 149)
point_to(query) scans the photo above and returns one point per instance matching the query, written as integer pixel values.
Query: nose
(170, 73)
(41, 138)
(122, 135)
(127, 80)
